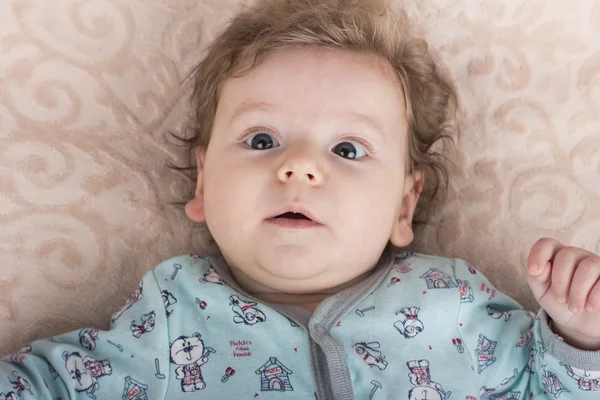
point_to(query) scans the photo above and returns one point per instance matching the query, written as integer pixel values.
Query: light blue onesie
(418, 328)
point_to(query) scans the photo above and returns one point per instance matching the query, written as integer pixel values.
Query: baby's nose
(302, 165)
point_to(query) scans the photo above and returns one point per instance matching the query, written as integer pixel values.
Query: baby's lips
(297, 209)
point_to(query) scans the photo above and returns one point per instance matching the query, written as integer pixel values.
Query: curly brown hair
(368, 26)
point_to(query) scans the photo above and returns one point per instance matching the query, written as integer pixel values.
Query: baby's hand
(564, 280)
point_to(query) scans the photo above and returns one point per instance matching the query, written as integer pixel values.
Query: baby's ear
(194, 208)
(402, 233)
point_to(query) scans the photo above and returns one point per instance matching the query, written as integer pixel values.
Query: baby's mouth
(292, 215)
(294, 220)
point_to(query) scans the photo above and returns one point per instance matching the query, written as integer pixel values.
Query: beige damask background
(88, 89)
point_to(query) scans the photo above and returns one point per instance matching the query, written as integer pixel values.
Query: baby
(313, 134)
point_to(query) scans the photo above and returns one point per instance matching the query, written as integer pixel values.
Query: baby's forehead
(321, 66)
(316, 85)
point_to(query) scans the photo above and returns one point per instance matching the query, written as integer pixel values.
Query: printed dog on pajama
(411, 326)
(147, 325)
(370, 355)
(245, 311)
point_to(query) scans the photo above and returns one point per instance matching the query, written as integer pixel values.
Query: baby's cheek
(376, 213)
(229, 212)
(221, 200)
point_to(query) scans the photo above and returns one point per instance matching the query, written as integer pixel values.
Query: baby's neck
(308, 301)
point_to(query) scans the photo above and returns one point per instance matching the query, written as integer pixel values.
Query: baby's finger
(563, 268)
(542, 251)
(585, 277)
(593, 300)
(540, 283)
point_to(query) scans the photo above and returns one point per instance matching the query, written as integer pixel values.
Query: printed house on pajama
(134, 390)
(274, 376)
(437, 279)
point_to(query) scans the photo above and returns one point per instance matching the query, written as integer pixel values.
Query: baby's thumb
(539, 279)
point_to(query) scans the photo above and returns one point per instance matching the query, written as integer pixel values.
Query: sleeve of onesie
(514, 353)
(128, 361)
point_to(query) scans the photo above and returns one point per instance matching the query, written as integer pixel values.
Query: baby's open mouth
(295, 220)
(293, 215)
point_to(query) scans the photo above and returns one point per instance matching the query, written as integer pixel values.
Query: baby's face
(320, 132)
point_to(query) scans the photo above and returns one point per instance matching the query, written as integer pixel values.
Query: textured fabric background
(88, 89)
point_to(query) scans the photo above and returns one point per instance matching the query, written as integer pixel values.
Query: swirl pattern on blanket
(89, 89)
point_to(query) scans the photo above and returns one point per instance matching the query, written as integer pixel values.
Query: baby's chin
(294, 264)
(298, 269)
(298, 274)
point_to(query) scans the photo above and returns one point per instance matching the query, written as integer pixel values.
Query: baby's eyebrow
(252, 106)
(353, 116)
(365, 119)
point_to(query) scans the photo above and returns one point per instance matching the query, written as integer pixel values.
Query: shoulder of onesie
(185, 266)
(424, 261)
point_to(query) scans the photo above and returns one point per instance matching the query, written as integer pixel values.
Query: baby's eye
(262, 141)
(350, 150)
